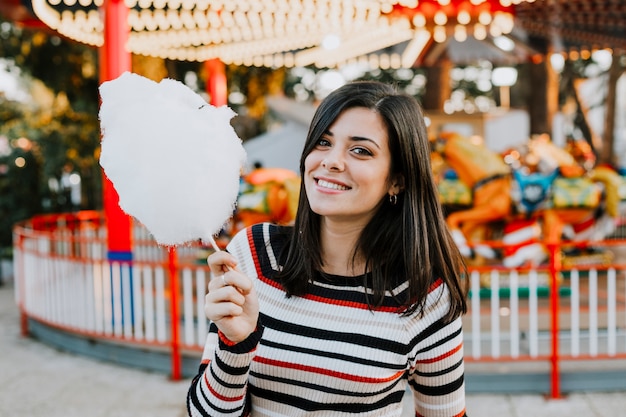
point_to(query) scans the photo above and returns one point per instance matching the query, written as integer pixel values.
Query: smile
(331, 185)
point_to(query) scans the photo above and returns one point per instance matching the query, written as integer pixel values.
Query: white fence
(550, 314)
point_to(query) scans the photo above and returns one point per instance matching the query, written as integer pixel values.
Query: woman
(362, 296)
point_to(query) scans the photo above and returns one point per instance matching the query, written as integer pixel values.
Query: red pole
(217, 86)
(20, 277)
(555, 269)
(173, 270)
(115, 60)
(116, 32)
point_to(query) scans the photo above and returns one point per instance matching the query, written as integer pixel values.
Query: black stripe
(440, 342)
(441, 372)
(429, 331)
(315, 333)
(439, 389)
(224, 383)
(231, 370)
(333, 355)
(261, 246)
(323, 388)
(192, 397)
(309, 405)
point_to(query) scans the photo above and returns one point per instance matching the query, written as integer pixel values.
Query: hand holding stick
(231, 302)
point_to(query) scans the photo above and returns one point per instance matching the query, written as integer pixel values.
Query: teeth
(331, 185)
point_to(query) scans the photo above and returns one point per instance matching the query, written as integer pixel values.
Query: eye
(362, 151)
(322, 142)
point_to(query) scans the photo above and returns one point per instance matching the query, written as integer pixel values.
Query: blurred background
(531, 88)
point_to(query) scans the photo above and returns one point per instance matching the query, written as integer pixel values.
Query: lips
(331, 185)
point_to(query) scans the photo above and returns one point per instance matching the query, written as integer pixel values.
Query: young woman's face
(347, 174)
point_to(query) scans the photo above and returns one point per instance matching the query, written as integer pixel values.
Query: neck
(338, 242)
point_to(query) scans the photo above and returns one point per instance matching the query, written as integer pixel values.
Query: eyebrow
(356, 138)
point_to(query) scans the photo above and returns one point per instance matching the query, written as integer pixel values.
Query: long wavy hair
(408, 241)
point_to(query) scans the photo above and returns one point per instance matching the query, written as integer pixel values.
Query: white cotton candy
(174, 160)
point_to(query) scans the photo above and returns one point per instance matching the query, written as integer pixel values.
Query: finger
(226, 302)
(217, 281)
(238, 280)
(221, 261)
(228, 294)
(222, 311)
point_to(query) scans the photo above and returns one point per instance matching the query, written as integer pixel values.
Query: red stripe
(386, 309)
(257, 264)
(224, 339)
(218, 395)
(461, 414)
(435, 285)
(326, 300)
(352, 304)
(327, 372)
(255, 255)
(441, 357)
(269, 282)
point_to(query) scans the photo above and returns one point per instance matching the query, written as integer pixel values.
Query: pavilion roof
(576, 23)
(569, 24)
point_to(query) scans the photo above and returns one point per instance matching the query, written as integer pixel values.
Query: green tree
(19, 181)
(59, 118)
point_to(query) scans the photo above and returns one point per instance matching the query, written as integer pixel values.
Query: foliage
(252, 85)
(60, 119)
(19, 181)
(61, 65)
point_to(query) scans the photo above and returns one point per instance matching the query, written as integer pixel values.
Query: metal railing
(569, 308)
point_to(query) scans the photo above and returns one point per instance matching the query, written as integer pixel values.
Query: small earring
(393, 199)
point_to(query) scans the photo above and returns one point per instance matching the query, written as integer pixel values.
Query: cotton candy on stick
(174, 160)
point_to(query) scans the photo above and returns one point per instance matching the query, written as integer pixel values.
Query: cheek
(380, 186)
(309, 165)
(311, 161)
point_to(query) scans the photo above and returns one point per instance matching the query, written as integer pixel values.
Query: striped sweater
(327, 353)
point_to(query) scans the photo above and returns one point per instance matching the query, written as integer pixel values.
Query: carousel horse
(489, 180)
(547, 205)
(545, 192)
(570, 202)
(580, 203)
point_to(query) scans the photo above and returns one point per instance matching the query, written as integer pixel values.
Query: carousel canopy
(328, 33)
(576, 25)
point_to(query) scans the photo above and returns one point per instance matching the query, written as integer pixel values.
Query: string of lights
(325, 33)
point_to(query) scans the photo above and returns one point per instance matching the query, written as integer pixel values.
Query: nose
(333, 162)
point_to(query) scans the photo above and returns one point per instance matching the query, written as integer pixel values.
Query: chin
(324, 211)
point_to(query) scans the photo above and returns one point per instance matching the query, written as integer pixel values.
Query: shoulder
(429, 327)
(433, 307)
(261, 234)
(438, 299)
(260, 244)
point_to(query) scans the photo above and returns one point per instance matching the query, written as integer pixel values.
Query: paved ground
(39, 381)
